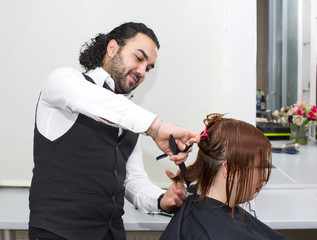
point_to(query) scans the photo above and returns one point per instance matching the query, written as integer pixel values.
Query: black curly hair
(92, 53)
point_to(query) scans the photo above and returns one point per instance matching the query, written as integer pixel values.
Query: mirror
(286, 53)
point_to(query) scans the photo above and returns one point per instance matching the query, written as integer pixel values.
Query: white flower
(298, 120)
(284, 120)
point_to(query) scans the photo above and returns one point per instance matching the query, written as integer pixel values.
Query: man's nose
(141, 70)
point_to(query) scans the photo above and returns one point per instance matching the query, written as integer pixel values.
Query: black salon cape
(209, 219)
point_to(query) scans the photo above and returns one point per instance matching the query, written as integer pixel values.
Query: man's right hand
(181, 135)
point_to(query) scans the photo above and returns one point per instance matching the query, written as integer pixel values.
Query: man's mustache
(137, 76)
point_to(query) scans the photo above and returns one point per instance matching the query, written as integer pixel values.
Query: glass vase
(299, 134)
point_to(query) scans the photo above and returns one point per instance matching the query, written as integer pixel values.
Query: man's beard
(117, 71)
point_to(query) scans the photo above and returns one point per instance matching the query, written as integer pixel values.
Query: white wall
(313, 56)
(307, 54)
(239, 60)
(203, 66)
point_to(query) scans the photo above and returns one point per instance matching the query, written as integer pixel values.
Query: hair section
(242, 145)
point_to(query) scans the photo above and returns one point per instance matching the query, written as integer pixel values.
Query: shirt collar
(99, 75)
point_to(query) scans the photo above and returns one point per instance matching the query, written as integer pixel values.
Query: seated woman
(233, 163)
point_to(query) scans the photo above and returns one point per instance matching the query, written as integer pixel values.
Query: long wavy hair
(242, 145)
(93, 53)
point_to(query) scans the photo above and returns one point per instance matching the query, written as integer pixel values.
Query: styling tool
(165, 155)
(290, 148)
(175, 151)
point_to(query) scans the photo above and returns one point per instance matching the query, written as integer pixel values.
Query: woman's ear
(112, 48)
(224, 169)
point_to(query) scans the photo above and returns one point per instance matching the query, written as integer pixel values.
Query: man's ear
(224, 169)
(112, 48)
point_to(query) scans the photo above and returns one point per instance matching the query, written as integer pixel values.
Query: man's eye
(139, 59)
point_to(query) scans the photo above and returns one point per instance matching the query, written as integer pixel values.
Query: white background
(207, 63)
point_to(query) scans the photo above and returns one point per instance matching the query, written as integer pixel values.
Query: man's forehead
(143, 44)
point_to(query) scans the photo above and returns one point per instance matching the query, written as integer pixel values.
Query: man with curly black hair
(86, 150)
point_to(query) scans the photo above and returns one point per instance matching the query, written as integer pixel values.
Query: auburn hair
(242, 145)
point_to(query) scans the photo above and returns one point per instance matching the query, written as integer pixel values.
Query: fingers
(190, 137)
(181, 194)
(179, 187)
(170, 203)
(178, 202)
(195, 138)
(189, 149)
(183, 147)
(179, 158)
(184, 135)
(174, 197)
(169, 174)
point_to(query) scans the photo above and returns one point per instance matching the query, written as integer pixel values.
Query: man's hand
(174, 195)
(181, 135)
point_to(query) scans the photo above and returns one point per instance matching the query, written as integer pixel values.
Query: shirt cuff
(150, 202)
(153, 202)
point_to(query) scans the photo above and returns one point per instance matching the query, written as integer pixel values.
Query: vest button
(117, 148)
(115, 172)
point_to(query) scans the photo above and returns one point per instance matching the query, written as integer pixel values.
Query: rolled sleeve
(67, 89)
(137, 119)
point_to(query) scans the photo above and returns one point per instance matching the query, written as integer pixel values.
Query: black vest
(77, 187)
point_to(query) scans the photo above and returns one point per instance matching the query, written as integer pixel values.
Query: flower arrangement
(300, 114)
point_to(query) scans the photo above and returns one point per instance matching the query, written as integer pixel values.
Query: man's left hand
(174, 195)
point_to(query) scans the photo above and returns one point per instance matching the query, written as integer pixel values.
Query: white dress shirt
(66, 93)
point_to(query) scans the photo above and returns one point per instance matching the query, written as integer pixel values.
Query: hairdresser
(87, 153)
